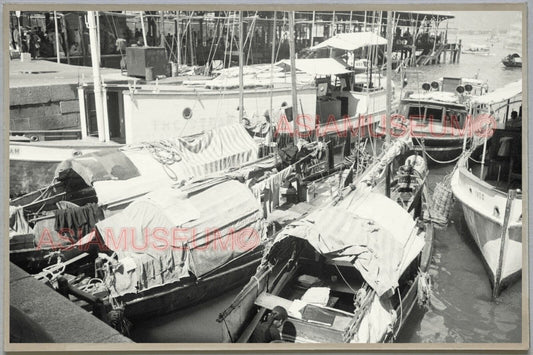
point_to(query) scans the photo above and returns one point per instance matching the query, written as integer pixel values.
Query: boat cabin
(136, 111)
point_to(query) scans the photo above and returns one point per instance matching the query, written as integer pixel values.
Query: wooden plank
(269, 301)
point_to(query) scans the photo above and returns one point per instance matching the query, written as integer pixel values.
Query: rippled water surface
(462, 309)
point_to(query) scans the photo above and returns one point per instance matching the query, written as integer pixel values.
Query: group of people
(33, 41)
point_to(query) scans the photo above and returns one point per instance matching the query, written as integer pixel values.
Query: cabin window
(433, 114)
(425, 113)
(454, 119)
(187, 113)
(416, 111)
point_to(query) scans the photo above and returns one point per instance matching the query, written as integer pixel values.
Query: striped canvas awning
(192, 157)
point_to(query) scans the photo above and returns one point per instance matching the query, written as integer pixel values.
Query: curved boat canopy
(367, 230)
(505, 93)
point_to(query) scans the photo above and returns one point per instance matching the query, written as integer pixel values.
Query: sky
(485, 20)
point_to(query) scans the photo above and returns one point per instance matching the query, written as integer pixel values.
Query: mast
(18, 13)
(241, 63)
(98, 100)
(272, 60)
(293, 76)
(143, 29)
(178, 38)
(389, 75)
(389, 98)
(98, 36)
(332, 32)
(191, 45)
(162, 28)
(57, 37)
(312, 30)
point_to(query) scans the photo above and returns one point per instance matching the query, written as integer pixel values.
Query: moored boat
(111, 179)
(345, 272)
(490, 191)
(512, 61)
(482, 50)
(438, 119)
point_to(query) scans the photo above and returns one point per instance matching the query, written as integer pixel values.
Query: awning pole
(389, 98)
(57, 37)
(143, 29)
(293, 76)
(503, 238)
(96, 76)
(241, 63)
(312, 29)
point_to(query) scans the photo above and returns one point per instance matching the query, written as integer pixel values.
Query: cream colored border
(218, 347)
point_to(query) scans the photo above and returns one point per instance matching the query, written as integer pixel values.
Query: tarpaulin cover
(168, 236)
(216, 150)
(262, 75)
(318, 66)
(106, 164)
(367, 229)
(351, 41)
(505, 93)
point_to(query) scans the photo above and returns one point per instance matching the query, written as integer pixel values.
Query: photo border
(222, 347)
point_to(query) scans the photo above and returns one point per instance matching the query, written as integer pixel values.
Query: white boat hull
(484, 209)
(32, 165)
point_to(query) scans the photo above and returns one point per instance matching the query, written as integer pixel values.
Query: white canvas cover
(217, 150)
(505, 93)
(351, 41)
(367, 229)
(165, 235)
(318, 66)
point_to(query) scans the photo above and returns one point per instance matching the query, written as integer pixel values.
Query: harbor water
(462, 309)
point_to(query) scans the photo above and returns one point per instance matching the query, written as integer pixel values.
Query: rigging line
(346, 282)
(226, 40)
(248, 33)
(220, 35)
(252, 29)
(184, 34)
(212, 42)
(232, 37)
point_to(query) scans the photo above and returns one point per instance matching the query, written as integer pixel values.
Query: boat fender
(424, 289)
(34, 138)
(117, 321)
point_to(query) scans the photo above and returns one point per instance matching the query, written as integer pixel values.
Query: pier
(198, 38)
(51, 315)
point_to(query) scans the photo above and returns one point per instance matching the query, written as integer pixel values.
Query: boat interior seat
(325, 318)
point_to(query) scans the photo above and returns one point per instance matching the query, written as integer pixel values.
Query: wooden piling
(459, 51)
(503, 238)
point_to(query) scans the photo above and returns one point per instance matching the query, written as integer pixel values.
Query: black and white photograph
(294, 175)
